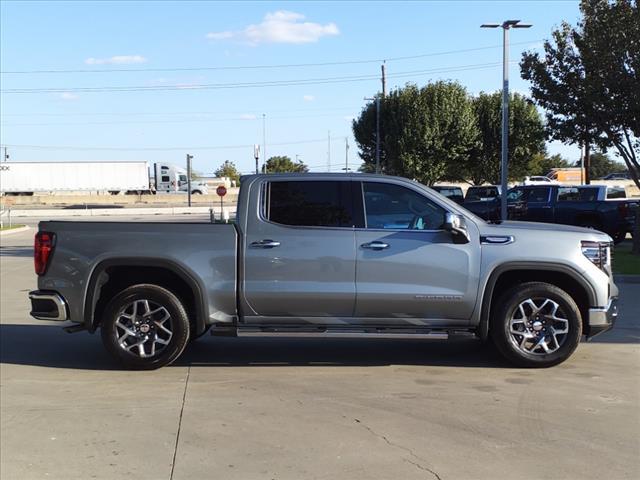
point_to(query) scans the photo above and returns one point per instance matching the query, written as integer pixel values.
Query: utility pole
(346, 154)
(506, 26)
(264, 141)
(587, 163)
(378, 134)
(5, 157)
(329, 151)
(384, 82)
(189, 157)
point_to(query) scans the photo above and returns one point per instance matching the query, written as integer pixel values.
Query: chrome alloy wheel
(143, 328)
(538, 326)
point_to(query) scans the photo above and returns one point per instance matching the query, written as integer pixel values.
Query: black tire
(508, 308)
(116, 311)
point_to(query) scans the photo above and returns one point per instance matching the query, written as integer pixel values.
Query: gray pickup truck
(328, 255)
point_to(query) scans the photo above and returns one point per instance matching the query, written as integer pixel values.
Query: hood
(508, 227)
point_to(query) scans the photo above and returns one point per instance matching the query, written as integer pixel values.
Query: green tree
(228, 169)
(601, 165)
(428, 131)
(526, 138)
(541, 163)
(283, 164)
(587, 81)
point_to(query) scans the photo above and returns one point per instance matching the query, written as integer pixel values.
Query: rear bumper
(602, 319)
(47, 305)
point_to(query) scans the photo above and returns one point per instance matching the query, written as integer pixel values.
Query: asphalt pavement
(277, 408)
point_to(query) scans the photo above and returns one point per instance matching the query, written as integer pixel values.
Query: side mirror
(455, 224)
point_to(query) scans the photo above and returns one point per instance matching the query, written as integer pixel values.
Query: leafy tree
(526, 138)
(426, 131)
(228, 169)
(283, 164)
(601, 165)
(541, 163)
(587, 81)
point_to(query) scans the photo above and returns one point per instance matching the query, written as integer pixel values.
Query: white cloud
(248, 116)
(116, 60)
(279, 27)
(68, 96)
(308, 98)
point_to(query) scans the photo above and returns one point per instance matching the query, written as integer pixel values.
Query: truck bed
(203, 253)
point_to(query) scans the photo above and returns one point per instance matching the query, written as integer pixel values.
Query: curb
(15, 230)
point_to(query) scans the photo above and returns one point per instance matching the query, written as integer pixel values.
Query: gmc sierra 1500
(328, 254)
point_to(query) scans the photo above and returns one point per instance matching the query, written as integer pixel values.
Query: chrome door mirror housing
(456, 225)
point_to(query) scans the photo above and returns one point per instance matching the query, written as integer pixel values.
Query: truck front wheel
(536, 324)
(145, 327)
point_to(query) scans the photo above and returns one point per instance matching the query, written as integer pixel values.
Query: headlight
(598, 252)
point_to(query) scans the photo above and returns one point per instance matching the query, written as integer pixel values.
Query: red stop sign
(221, 191)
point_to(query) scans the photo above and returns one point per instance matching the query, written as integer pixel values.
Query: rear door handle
(375, 245)
(265, 244)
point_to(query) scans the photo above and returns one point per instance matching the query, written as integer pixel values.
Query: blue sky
(171, 115)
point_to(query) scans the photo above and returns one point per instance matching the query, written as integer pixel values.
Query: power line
(258, 67)
(177, 121)
(132, 114)
(273, 83)
(151, 149)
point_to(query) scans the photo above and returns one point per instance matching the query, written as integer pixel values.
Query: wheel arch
(561, 275)
(115, 274)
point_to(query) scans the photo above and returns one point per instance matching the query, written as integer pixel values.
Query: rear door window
(538, 195)
(310, 203)
(570, 194)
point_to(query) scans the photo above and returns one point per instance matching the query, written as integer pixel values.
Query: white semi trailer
(27, 178)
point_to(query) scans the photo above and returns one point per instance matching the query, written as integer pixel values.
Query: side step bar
(343, 333)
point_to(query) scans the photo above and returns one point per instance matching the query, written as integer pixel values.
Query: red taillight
(42, 249)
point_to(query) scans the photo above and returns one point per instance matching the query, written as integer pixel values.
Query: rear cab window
(310, 203)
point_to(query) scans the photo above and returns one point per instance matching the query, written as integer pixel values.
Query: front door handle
(375, 245)
(264, 244)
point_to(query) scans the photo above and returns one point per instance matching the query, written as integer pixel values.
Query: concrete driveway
(309, 408)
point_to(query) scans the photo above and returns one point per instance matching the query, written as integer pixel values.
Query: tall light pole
(506, 26)
(377, 99)
(264, 141)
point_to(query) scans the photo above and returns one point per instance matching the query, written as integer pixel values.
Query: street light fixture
(506, 26)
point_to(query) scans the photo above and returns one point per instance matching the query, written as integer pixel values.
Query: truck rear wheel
(145, 327)
(536, 324)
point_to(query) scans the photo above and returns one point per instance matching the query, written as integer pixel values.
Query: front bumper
(602, 319)
(47, 305)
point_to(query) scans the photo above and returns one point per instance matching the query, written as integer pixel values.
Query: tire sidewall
(508, 305)
(161, 296)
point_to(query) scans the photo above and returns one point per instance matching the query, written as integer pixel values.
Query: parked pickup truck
(585, 206)
(328, 255)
